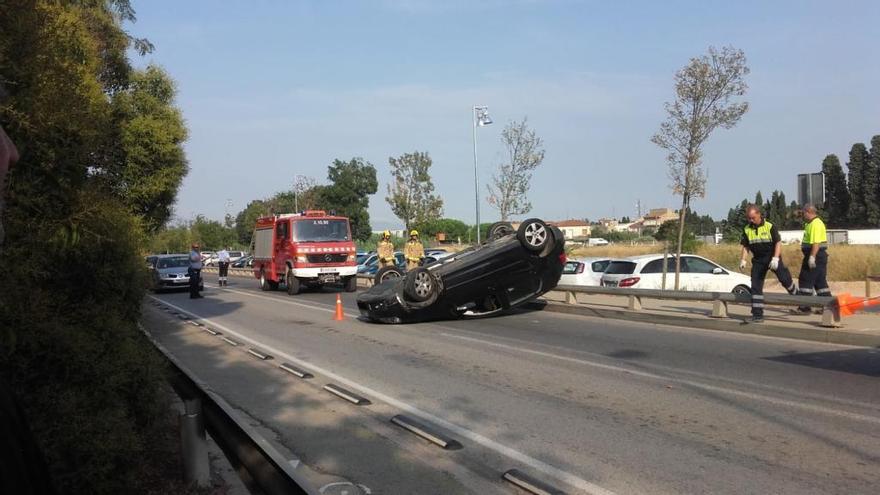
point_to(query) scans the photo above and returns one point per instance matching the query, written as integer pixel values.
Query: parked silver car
(171, 271)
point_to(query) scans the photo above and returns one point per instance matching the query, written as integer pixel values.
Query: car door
(700, 275)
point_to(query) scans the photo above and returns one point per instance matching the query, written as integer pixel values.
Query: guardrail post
(194, 447)
(571, 297)
(868, 284)
(831, 316)
(635, 303)
(719, 309)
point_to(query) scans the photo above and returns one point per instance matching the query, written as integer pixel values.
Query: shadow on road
(857, 361)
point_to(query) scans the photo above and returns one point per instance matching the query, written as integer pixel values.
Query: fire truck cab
(305, 249)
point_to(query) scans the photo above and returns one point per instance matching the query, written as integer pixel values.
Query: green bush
(90, 382)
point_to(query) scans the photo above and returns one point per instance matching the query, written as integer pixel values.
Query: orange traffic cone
(339, 314)
(849, 304)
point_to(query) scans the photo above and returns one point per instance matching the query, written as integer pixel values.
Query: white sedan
(585, 272)
(697, 274)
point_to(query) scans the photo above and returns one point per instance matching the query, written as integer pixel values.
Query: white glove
(742, 264)
(812, 262)
(774, 264)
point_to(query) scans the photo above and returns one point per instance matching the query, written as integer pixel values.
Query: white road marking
(712, 388)
(488, 443)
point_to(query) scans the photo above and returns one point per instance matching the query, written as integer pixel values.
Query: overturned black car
(511, 268)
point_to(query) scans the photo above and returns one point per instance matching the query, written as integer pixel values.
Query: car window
(656, 266)
(172, 262)
(571, 267)
(236, 254)
(696, 265)
(361, 258)
(600, 266)
(620, 268)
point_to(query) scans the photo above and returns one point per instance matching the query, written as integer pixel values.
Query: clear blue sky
(271, 89)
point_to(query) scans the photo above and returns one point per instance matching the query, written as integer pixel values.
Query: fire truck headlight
(352, 257)
(301, 258)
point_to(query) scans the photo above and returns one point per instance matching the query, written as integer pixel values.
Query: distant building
(574, 230)
(608, 223)
(658, 216)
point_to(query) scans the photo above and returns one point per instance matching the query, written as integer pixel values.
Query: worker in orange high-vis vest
(814, 268)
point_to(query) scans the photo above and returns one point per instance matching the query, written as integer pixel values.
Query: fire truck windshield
(320, 230)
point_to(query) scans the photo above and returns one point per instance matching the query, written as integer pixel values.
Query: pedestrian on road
(385, 250)
(762, 239)
(223, 266)
(414, 250)
(814, 268)
(195, 271)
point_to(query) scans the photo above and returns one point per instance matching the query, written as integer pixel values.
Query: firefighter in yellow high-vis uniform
(414, 251)
(814, 269)
(385, 250)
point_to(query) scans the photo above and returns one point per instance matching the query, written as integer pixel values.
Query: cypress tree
(858, 162)
(836, 193)
(872, 184)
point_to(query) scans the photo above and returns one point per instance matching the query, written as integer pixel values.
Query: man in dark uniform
(761, 238)
(195, 272)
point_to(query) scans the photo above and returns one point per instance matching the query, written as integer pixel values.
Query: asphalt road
(585, 405)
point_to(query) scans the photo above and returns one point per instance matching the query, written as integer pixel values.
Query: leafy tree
(668, 232)
(150, 165)
(246, 220)
(836, 193)
(411, 193)
(872, 184)
(705, 92)
(211, 234)
(91, 386)
(352, 183)
(512, 179)
(625, 220)
(454, 229)
(759, 200)
(857, 165)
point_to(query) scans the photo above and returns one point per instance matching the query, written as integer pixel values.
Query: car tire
(351, 284)
(387, 273)
(534, 235)
(293, 285)
(500, 229)
(741, 289)
(420, 285)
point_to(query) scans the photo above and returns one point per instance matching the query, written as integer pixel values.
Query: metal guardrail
(719, 300)
(261, 467)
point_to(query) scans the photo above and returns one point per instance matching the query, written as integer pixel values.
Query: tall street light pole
(481, 118)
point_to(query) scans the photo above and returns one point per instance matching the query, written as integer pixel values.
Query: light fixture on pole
(481, 118)
(297, 185)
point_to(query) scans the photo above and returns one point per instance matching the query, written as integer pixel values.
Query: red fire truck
(304, 249)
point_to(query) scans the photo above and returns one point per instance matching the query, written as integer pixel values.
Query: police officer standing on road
(385, 250)
(762, 239)
(195, 271)
(814, 268)
(223, 266)
(414, 251)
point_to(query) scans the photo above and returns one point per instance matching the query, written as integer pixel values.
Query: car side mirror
(717, 271)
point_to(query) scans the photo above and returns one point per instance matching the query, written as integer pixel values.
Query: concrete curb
(826, 335)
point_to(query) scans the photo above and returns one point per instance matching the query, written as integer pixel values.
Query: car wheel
(741, 289)
(292, 282)
(351, 284)
(534, 235)
(387, 273)
(420, 285)
(500, 229)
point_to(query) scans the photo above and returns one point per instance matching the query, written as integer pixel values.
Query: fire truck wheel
(292, 282)
(265, 283)
(351, 284)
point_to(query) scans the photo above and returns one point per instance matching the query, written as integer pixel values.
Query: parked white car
(697, 274)
(585, 272)
(597, 241)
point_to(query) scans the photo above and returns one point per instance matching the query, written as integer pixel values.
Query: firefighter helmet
(413, 232)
